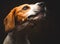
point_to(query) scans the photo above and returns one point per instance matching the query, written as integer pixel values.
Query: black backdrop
(50, 36)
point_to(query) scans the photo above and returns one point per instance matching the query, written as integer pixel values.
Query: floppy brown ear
(9, 22)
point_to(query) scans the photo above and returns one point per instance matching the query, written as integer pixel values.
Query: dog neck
(18, 38)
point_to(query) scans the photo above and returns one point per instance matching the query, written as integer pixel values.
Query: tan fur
(9, 20)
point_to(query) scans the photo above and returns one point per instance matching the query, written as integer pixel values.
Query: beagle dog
(20, 19)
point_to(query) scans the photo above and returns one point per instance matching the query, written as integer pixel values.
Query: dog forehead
(21, 6)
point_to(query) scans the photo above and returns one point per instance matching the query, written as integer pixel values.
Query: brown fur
(9, 20)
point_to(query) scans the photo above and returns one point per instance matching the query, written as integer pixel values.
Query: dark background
(50, 35)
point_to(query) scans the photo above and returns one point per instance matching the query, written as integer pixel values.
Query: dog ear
(9, 21)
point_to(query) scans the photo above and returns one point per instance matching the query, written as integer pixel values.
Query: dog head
(23, 13)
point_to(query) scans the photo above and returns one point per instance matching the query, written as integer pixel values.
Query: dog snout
(41, 4)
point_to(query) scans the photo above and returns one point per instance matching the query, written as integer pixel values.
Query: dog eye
(25, 8)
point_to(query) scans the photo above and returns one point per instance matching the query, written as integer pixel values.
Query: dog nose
(42, 4)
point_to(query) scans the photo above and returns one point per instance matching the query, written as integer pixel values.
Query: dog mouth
(39, 15)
